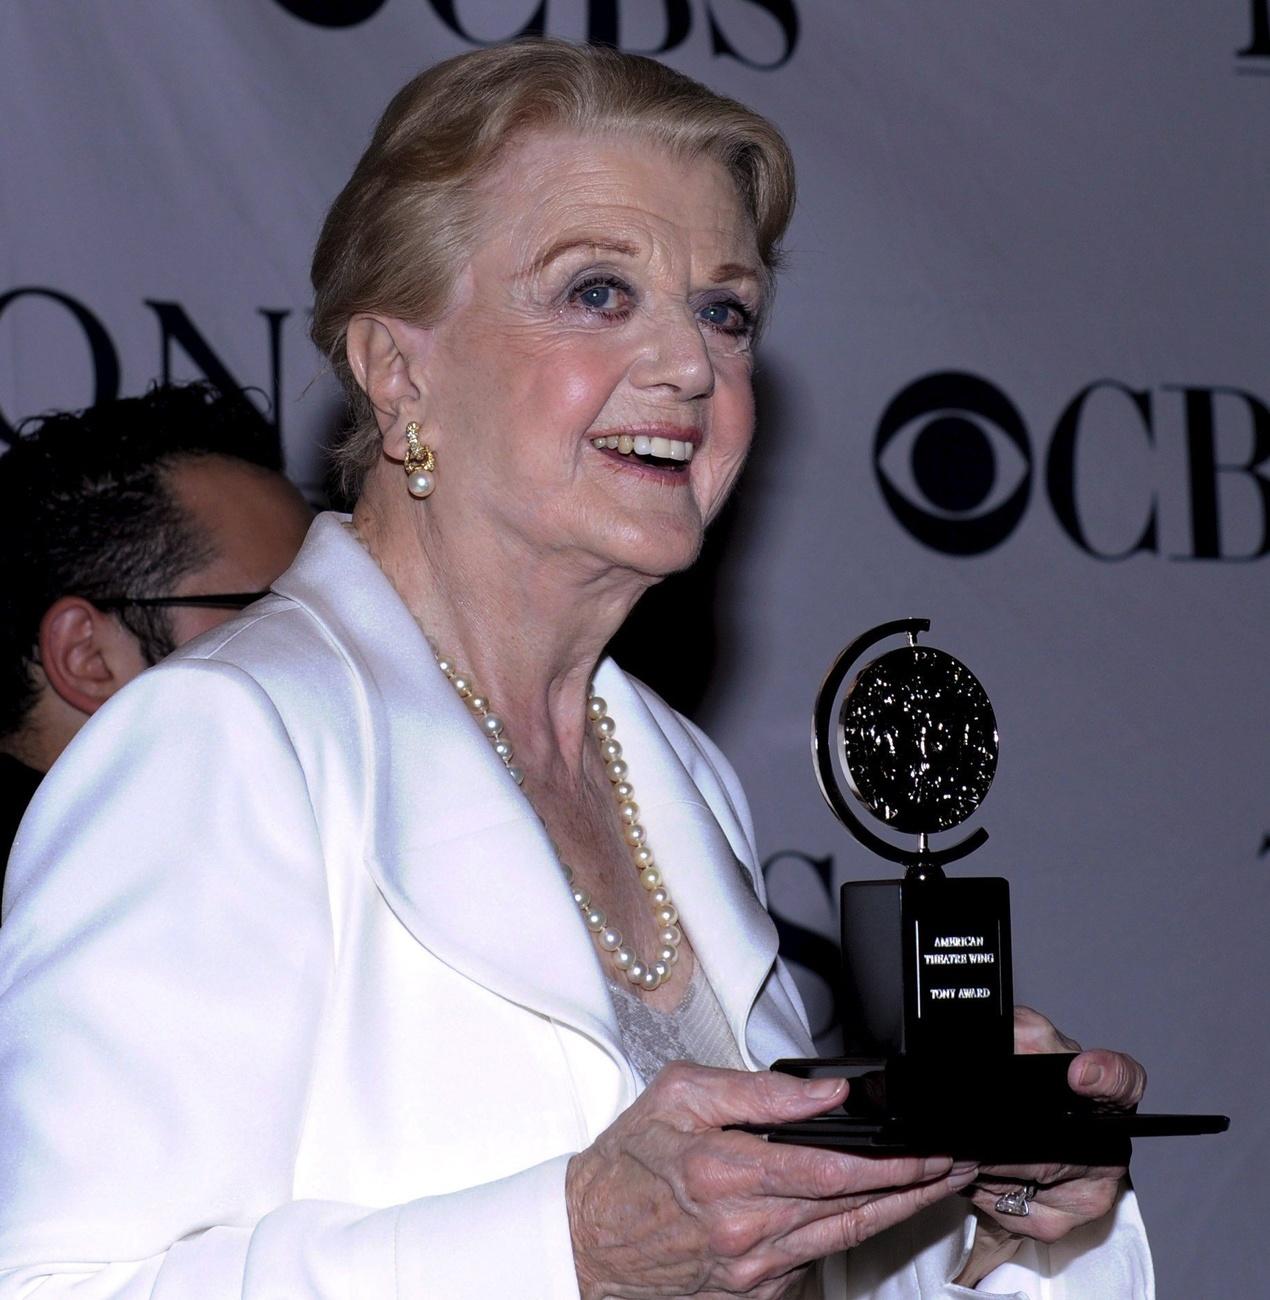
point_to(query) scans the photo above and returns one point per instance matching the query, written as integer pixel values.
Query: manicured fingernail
(1090, 1074)
(963, 1172)
(823, 1089)
(935, 1166)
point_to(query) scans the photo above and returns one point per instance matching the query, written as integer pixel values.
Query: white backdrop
(1060, 209)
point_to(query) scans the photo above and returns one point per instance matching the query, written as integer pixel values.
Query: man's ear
(86, 655)
(389, 360)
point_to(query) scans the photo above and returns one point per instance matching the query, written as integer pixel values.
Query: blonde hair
(397, 236)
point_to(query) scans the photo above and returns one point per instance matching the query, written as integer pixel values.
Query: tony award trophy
(927, 989)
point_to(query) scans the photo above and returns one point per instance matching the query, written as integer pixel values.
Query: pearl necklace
(645, 974)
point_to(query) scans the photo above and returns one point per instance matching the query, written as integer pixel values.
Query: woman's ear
(389, 359)
(86, 655)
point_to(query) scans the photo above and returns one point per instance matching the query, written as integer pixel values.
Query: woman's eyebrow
(592, 243)
(736, 271)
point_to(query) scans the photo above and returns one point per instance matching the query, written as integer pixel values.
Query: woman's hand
(1067, 1195)
(666, 1204)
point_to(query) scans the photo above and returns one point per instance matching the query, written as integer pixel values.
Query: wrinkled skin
(666, 1204)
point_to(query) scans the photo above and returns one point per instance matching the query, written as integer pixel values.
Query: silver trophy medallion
(915, 740)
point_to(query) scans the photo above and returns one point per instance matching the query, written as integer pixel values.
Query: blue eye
(727, 316)
(605, 296)
(597, 296)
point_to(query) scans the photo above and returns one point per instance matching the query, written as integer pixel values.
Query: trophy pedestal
(929, 1030)
(927, 968)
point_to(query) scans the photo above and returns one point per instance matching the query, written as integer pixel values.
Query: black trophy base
(1018, 1110)
(926, 966)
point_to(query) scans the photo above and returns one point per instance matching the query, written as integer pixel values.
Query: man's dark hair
(86, 510)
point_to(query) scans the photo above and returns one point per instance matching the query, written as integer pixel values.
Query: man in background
(125, 530)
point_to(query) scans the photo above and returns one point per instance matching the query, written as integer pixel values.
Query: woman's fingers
(1035, 1035)
(1100, 1074)
(1055, 1210)
(781, 1170)
(699, 1097)
(713, 1168)
(1108, 1076)
(1041, 1175)
(750, 1255)
(848, 1228)
(703, 1100)
(759, 1240)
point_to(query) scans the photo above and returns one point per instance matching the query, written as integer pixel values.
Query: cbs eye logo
(952, 458)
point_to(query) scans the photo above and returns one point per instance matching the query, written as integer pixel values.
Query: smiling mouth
(671, 454)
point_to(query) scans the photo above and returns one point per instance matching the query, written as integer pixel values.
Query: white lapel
(455, 848)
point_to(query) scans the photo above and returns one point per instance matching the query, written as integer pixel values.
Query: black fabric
(17, 784)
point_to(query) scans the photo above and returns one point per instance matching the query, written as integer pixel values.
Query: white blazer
(294, 1001)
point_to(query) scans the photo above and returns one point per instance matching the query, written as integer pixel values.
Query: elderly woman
(361, 949)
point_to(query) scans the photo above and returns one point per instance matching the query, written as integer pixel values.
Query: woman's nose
(675, 357)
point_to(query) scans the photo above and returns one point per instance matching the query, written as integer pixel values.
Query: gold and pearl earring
(420, 464)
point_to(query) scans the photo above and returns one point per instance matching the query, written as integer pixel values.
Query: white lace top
(695, 1030)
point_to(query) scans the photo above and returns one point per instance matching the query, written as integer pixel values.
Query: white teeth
(642, 445)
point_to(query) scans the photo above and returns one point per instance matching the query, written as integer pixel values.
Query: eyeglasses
(213, 600)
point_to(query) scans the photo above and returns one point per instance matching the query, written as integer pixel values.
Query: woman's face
(612, 296)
